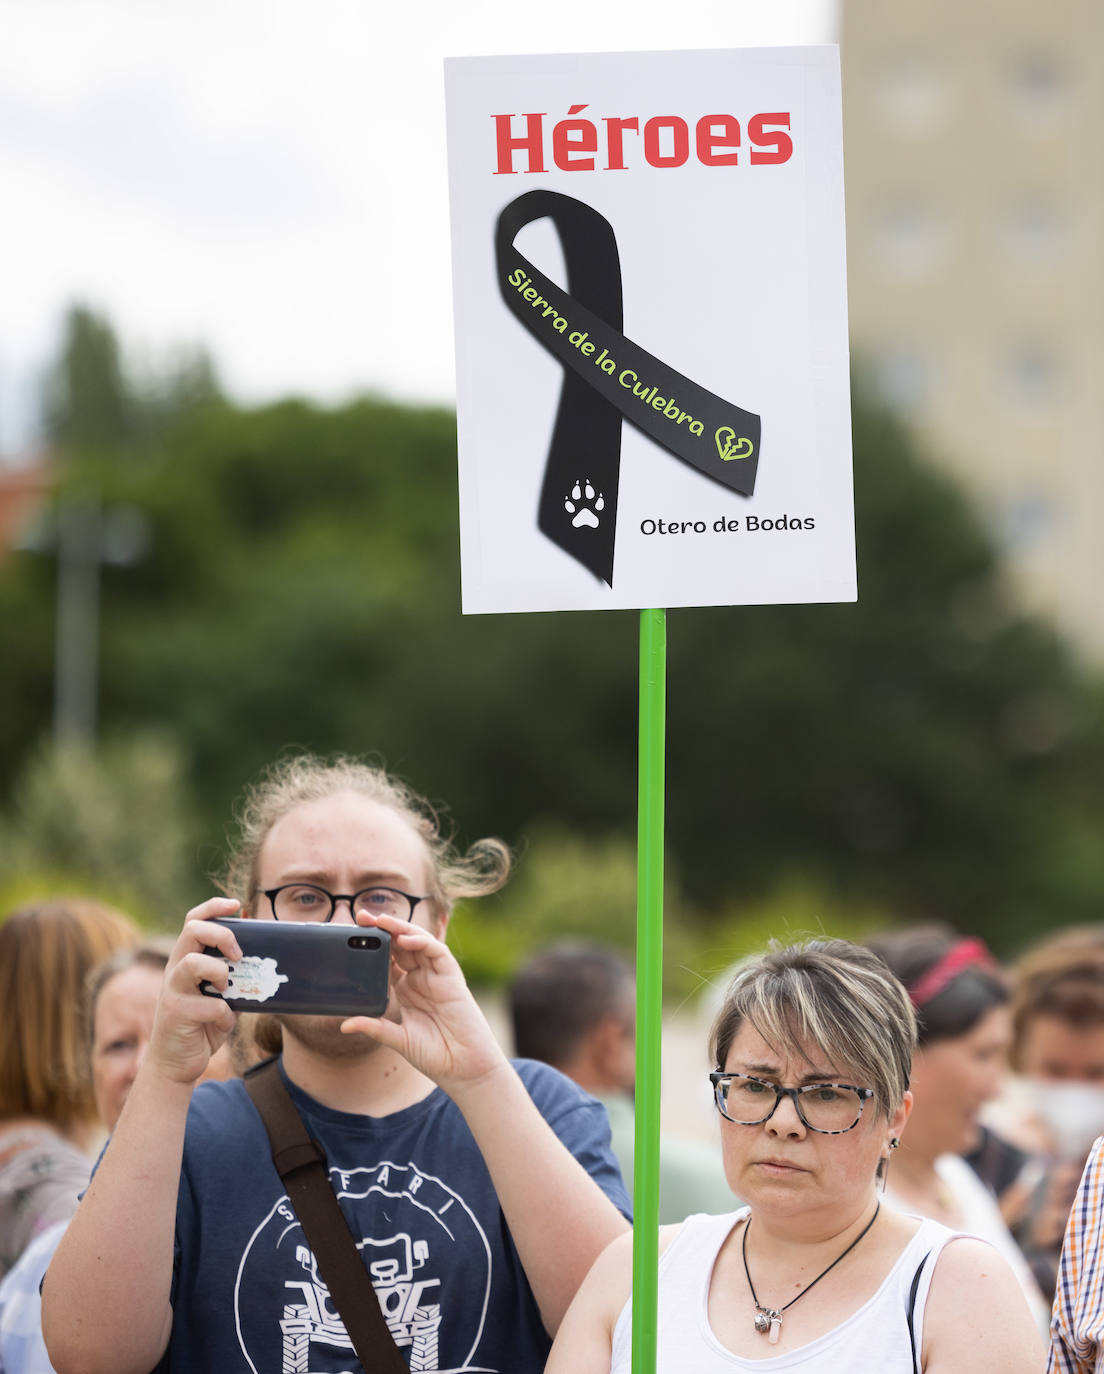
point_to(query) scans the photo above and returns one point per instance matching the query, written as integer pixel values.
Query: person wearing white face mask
(1057, 1106)
(1058, 1037)
(1072, 1114)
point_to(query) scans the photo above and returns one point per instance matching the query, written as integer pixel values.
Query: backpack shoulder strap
(302, 1166)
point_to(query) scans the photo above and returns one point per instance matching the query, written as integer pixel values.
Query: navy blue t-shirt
(425, 1216)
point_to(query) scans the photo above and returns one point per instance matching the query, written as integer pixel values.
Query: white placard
(602, 460)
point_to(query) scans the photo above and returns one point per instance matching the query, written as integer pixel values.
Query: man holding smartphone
(479, 1192)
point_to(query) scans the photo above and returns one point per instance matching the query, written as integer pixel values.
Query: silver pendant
(768, 1323)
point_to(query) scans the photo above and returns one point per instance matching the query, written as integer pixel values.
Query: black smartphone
(306, 969)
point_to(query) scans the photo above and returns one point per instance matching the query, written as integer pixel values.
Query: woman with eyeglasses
(813, 1049)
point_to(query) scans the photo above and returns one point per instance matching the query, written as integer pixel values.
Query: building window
(1039, 85)
(1035, 231)
(912, 239)
(1027, 521)
(904, 377)
(1031, 377)
(912, 92)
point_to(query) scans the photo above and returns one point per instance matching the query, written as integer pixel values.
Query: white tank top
(874, 1337)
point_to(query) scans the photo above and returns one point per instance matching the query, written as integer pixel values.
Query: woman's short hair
(1062, 977)
(953, 981)
(300, 778)
(832, 994)
(47, 951)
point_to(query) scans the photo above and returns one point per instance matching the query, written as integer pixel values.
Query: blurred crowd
(80, 984)
(1007, 1081)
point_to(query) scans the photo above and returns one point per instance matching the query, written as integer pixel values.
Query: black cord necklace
(770, 1318)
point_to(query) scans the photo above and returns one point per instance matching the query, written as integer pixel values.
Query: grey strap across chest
(302, 1166)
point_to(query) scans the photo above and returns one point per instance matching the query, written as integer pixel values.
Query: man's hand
(432, 1020)
(190, 1025)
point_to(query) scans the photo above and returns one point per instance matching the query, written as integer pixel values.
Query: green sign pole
(649, 986)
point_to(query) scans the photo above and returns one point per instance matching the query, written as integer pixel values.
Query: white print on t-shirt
(413, 1320)
(412, 1230)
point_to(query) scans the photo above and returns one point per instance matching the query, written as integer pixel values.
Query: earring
(895, 1143)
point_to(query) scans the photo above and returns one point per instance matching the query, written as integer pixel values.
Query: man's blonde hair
(301, 778)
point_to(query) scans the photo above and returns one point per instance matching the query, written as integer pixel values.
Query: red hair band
(962, 954)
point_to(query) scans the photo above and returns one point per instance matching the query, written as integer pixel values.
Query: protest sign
(652, 382)
(651, 327)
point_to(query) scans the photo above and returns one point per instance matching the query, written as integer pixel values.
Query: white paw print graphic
(584, 514)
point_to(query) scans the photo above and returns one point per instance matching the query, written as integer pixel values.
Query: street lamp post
(77, 632)
(86, 536)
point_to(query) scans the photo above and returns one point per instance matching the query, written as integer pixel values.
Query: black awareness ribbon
(582, 327)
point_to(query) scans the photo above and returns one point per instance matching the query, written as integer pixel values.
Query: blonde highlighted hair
(47, 952)
(830, 994)
(300, 778)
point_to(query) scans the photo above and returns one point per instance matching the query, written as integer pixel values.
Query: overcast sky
(267, 177)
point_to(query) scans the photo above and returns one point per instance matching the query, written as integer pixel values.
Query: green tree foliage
(86, 399)
(571, 886)
(928, 751)
(919, 749)
(116, 823)
(96, 402)
(27, 591)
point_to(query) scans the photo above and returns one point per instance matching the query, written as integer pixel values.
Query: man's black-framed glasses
(306, 902)
(830, 1108)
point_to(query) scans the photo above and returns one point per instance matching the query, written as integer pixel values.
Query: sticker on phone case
(255, 979)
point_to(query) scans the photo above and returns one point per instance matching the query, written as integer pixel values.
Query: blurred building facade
(975, 221)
